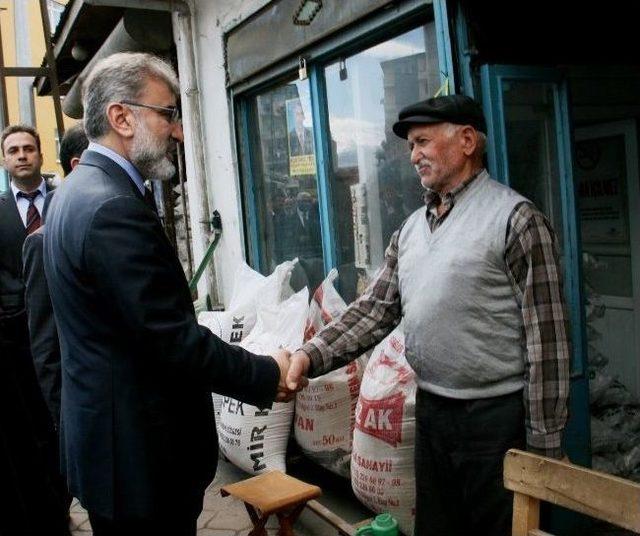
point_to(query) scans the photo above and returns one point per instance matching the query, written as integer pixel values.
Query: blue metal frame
(577, 437)
(320, 115)
(443, 42)
(578, 432)
(251, 206)
(572, 243)
(494, 113)
(464, 53)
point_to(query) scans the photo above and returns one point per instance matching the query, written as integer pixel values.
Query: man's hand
(298, 368)
(293, 370)
(282, 358)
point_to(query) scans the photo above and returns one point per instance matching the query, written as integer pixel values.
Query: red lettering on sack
(404, 374)
(396, 345)
(382, 418)
(304, 423)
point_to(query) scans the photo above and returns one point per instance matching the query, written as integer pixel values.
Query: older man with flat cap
(475, 277)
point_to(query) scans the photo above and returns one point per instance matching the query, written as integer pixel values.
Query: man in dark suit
(43, 334)
(137, 424)
(45, 347)
(27, 438)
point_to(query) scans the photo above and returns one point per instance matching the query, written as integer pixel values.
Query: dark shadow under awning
(82, 24)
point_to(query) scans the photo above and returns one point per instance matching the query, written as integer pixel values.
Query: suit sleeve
(43, 334)
(139, 277)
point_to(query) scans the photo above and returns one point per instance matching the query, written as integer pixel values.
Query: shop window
(338, 208)
(285, 185)
(373, 185)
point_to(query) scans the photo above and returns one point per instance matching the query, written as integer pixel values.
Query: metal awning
(121, 29)
(84, 26)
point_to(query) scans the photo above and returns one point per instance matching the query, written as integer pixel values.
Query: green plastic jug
(382, 525)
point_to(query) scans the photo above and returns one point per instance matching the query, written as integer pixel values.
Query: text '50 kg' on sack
(255, 439)
(382, 461)
(325, 409)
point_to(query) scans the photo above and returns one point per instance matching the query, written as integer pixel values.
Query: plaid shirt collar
(433, 200)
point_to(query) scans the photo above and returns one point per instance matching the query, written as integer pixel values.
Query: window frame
(374, 30)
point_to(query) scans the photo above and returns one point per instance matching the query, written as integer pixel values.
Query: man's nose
(177, 132)
(416, 155)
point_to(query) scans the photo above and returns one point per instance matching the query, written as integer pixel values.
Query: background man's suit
(28, 460)
(45, 347)
(137, 428)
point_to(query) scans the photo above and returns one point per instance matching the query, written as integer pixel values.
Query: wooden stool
(272, 493)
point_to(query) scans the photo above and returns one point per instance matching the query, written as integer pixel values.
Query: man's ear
(120, 119)
(468, 140)
(75, 160)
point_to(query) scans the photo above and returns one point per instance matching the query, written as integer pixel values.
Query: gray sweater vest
(462, 324)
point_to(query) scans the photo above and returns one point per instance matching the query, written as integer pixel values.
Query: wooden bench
(535, 478)
(272, 493)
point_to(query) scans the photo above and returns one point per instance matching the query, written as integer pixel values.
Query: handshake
(293, 371)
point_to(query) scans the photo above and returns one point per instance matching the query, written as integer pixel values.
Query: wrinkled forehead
(424, 129)
(157, 88)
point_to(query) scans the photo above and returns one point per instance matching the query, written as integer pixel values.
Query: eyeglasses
(170, 113)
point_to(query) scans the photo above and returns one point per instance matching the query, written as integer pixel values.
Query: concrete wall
(210, 22)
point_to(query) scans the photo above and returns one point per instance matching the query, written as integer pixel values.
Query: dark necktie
(150, 200)
(33, 215)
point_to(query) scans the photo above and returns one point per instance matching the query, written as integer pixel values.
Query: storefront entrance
(572, 153)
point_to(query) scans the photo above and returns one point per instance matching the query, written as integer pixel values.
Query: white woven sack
(382, 461)
(255, 440)
(250, 291)
(325, 409)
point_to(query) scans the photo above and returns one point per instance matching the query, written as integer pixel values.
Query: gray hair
(119, 77)
(451, 128)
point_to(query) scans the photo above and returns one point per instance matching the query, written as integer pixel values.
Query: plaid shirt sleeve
(534, 270)
(364, 324)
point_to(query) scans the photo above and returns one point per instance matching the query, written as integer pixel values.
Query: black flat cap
(457, 109)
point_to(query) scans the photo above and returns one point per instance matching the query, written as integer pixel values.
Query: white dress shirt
(23, 204)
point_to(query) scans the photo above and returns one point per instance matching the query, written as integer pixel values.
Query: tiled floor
(228, 517)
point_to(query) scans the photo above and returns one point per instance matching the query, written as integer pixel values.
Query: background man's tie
(33, 216)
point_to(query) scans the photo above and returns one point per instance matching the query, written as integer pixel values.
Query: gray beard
(149, 156)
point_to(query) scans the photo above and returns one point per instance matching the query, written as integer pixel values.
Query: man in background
(45, 347)
(28, 466)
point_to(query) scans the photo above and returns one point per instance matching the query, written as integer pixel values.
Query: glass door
(606, 167)
(530, 150)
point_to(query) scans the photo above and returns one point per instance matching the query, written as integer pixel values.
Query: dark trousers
(459, 451)
(168, 525)
(33, 501)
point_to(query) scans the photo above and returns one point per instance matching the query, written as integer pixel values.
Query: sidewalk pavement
(228, 517)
